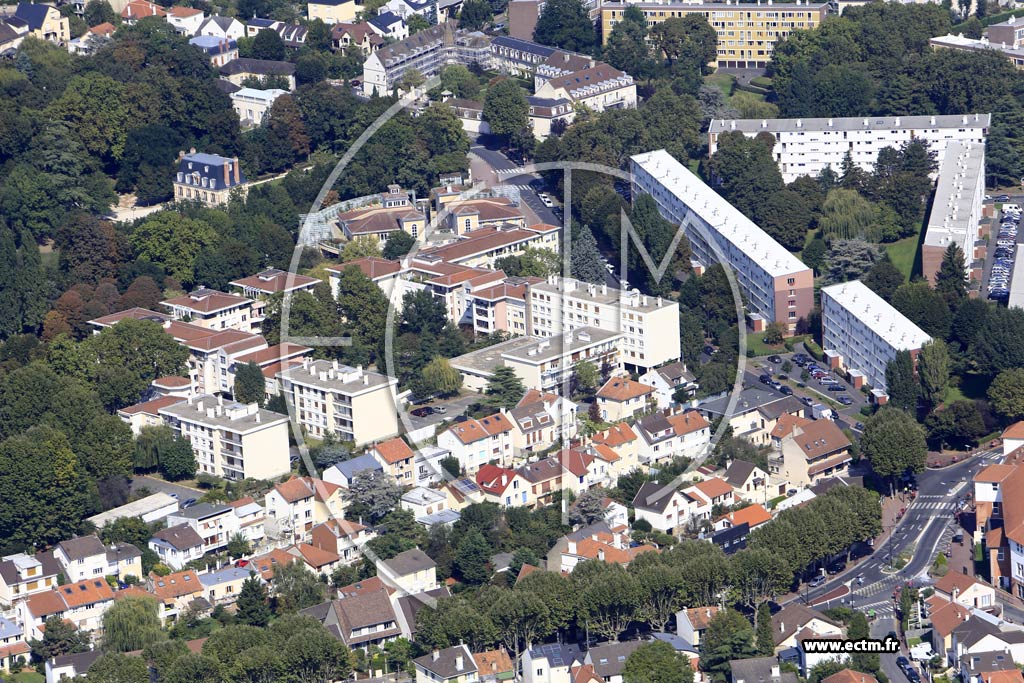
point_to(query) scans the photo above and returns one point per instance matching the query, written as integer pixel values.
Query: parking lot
(1002, 253)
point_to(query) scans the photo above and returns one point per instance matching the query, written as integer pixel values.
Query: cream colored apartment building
(352, 403)
(747, 32)
(232, 440)
(649, 324)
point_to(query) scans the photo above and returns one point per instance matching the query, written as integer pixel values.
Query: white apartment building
(777, 286)
(649, 325)
(865, 330)
(252, 105)
(232, 440)
(809, 146)
(957, 207)
(215, 523)
(352, 403)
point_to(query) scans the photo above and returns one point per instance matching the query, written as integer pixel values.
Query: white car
(546, 200)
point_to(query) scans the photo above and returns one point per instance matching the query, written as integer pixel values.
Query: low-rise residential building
(551, 663)
(748, 481)
(175, 591)
(140, 9)
(478, 442)
(451, 665)
(396, 459)
(271, 281)
(353, 404)
(44, 22)
(96, 37)
(427, 465)
(359, 620)
(595, 542)
(598, 87)
(423, 502)
(814, 450)
(14, 649)
(541, 420)
(177, 545)
(299, 504)
(691, 623)
(752, 516)
(232, 440)
(760, 670)
(965, 590)
(215, 310)
(86, 557)
(220, 51)
(755, 414)
(215, 523)
(395, 212)
(344, 538)
(23, 575)
(670, 510)
(252, 105)
(82, 603)
(207, 178)
(250, 518)
(237, 71)
(223, 585)
(664, 437)
(149, 509)
(389, 25)
(360, 34)
(411, 571)
(69, 667)
(292, 35)
(332, 12)
(504, 486)
(494, 665)
(185, 20)
(217, 26)
(344, 472)
(670, 381)
(621, 398)
(864, 331)
(624, 441)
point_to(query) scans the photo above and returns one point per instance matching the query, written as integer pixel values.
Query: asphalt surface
(160, 486)
(529, 184)
(927, 525)
(454, 408)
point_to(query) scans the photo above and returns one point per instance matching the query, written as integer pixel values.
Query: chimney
(600, 554)
(435, 654)
(458, 662)
(238, 172)
(775, 670)
(227, 175)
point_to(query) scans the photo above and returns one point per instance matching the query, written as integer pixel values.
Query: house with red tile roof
(665, 436)
(395, 456)
(595, 542)
(500, 307)
(362, 35)
(504, 486)
(343, 537)
(811, 452)
(381, 271)
(299, 504)
(965, 590)
(753, 516)
(83, 603)
(1013, 437)
(478, 442)
(468, 215)
(621, 438)
(139, 9)
(621, 398)
(692, 622)
(147, 413)
(393, 212)
(319, 560)
(265, 565)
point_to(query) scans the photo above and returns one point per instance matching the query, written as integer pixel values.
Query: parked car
(440, 410)
(765, 379)
(845, 400)
(817, 581)
(836, 387)
(775, 359)
(188, 503)
(425, 411)
(786, 391)
(241, 563)
(1001, 198)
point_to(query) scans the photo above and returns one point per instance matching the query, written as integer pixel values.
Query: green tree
(587, 264)
(884, 278)
(417, 23)
(193, 668)
(472, 558)
(250, 384)
(31, 283)
(949, 281)
(295, 588)
(364, 305)
(131, 624)
(759, 575)
(519, 618)
(901, 382)
(505, 107)
(504, 389)
(661, 586)
(268, 45)
(627, 47)
(173, 241)
(439, 377)
(163, 653)
(925, 307)
(119, 668)
(315, 655)
(238, 546)
(933, 371)
(98, 12)
(565, 24)
(729, 636)
(252, 603)
(609, 597)
(60, 637)
(178, 460)
(894, 443)
(475, 14)
(765, 637)
(398, 245)
(460, 81)
(587, 375)
(412, 79)
(372, 494)
(423, 313)
(814, 254)
(656, 662)
(1007, 393)
(823, 670)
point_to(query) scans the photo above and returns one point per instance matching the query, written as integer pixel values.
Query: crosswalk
(512, 171)
(934, 505)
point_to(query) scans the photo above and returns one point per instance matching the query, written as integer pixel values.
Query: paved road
(528, 184)
(927, 525)
(158, 485)
(454, 408)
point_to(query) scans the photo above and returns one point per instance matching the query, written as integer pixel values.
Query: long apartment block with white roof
(649, 324)
(809, 146)
(865, 331)
(776, 285)
(957, 208)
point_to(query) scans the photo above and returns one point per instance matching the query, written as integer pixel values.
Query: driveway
(159, 485)
(453, 408)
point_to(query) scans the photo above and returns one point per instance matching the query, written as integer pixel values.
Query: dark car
(807, 400)
(1001, 198)
(710, 350)
(425, 411)
(835, 569)
(765, 379)
(845, 400)
(836, 387)
(774, 359)
(902, 662)
(188, 503)
(786, 390)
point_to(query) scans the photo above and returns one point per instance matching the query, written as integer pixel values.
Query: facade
(649, 325)
(597, 87)
(396, 211)
(809, 146)
(777, 286)
(360, 34)
(86, 557)
(865, 330)
(411, 571)
(215, 310)
(23, 575)
(207, 178)
(185, 20)
(298, 505)
(396, 458)
(252, 105)
(216, 524)
(620, 398)
(272, 281)
(219, 50)
(237, 71)
(177, 545)
(812, 451)
(354, 404)
(668, 380)
(332, 12)
(955, 217)
(44, 22)
(451, 665)
(217, 26)
(546, 364)
(665, 436)
(427, 51)
(232, 440)
(476, 443)
(747, 32)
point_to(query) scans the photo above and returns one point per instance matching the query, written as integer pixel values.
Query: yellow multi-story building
(747, 32)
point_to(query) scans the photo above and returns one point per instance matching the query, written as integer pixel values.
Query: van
(1011, 208)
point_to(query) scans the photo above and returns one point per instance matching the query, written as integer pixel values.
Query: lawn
(903, 254)
(971, 387)
(755, 343)
(27, 677)
(722, 81)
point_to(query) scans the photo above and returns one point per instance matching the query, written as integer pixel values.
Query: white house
(478, 442)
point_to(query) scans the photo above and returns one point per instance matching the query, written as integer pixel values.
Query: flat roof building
(777, 286)
(809, 146)
(956, 212)
(865, 330)
(649, 324)
(232, 440)
(1011, 51)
